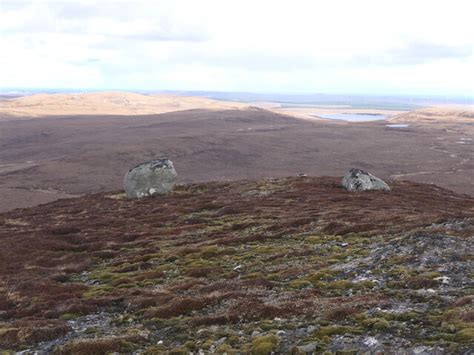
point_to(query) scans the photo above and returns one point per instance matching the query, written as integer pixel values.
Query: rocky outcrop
(359, 180)
(155, 177)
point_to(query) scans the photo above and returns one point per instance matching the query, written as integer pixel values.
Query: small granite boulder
(155, 177)
(359, 180)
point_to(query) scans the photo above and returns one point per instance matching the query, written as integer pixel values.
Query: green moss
(199, 263)
(155, 350)
(267, 325)
(207, 344)
(441, 337)
(314, 239)
(253, 275)
(339, 285)
(407, 316)
(97, 291)
(225, 349)
(92, 330)
(123, 320)
(430, 275)
(191, 346)
(359, 317)
(264, 345)
(264, 249)
(376, 323)
(273, 277)
(69, 316)
(210, 251)
(299, 284)
(465, 335)
(322, 275)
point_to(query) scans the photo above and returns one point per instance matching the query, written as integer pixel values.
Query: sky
(343, 47)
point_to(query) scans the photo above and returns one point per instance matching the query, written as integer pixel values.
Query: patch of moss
(299, 283)
(465, 335)
(314, 239)
(92, 330)
(322, 275)
(376, 323)
(264, 249)
(330, 330)
(69, 316)
(210, 251)
(406, 316)
(225, 349)
(97, 291)
(252, 276)
(339, 285)
(264, 345)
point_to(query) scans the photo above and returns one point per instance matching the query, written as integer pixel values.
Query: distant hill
(105, 103)
(437, 114)
(42, 159)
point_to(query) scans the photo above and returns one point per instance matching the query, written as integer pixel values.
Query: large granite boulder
(359, 180)
(155, 177)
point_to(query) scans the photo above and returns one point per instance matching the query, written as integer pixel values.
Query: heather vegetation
(294, 265)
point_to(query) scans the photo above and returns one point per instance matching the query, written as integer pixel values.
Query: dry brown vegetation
(231, 257)
(453, 114)
(64, 156)
(105, 103)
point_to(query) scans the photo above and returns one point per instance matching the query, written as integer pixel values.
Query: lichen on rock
(155, 177)
(359, 180)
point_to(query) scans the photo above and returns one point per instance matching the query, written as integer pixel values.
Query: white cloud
(289, 46)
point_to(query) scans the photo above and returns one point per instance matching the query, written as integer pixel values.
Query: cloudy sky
(293, 46)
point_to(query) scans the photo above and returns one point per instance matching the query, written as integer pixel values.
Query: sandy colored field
(454, 114)
(104, 103)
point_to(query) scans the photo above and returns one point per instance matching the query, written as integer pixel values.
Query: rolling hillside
(287, 265)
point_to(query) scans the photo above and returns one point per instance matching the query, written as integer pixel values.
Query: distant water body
(353, 117)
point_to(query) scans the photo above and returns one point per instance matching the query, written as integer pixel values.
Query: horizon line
(242, 92)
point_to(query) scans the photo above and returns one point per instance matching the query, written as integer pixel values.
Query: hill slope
(437, 114)
(295, 264)
(43, 159)
(105, 103)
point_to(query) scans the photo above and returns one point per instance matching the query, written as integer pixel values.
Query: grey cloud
(12, 5)
(249, 59)
(87, 62)
(422, 52)
(75, 10)
(75, 19)
(412, 53)
(255, 59)
(159, 34)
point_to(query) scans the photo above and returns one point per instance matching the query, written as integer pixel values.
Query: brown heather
(235, 256)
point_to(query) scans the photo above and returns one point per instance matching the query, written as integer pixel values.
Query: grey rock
(155, 177)
(359, 180)
(220, 341)
(312, 328)
(255, 333)
(301, 332)
(308, 348)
